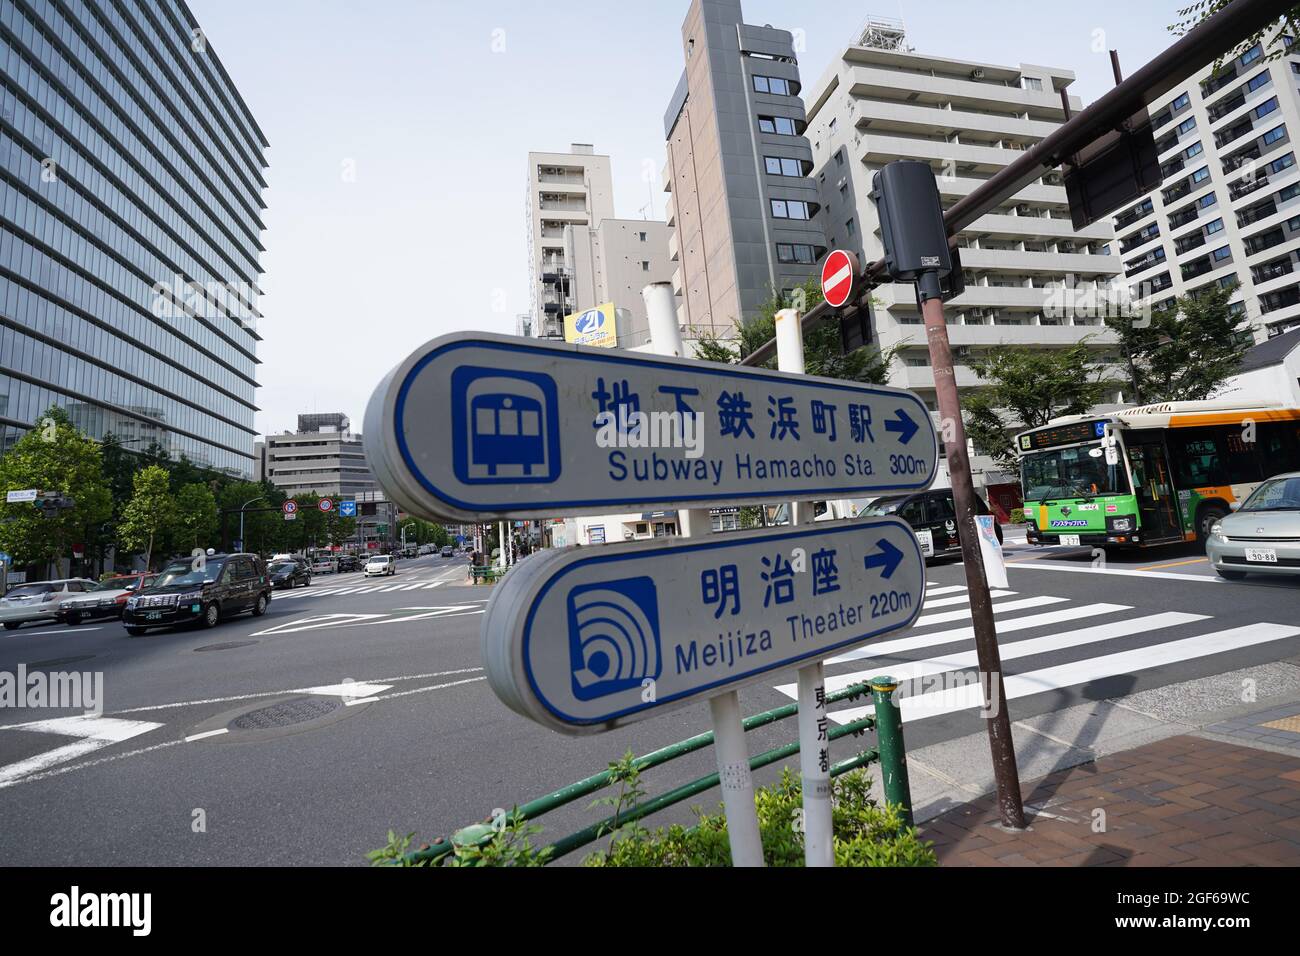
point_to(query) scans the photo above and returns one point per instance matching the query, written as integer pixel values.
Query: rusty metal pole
(998, 721)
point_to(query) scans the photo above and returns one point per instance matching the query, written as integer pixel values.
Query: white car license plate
(926, 540)
(1070, 540)
(153, 615)
(1261, 555)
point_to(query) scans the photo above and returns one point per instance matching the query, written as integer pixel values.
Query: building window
(1182, 100)
(642, 236)
(780, 125)
(1263, 109)
(781, 166)
(1032, 83)
(772, 84)
(794, 252)
(1273, 135)
(789, 209)
(1257, 81)
(1221, 253)
(1194, 150)
(1251, 55)
(844, 192)
(1187, 125)
(645, 266)
(1206, 201)
(1201, 175)
(839, 157)
(1212, 227)
(851, 227)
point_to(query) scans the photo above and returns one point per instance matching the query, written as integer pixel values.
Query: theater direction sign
(474, 426)
(585, 640)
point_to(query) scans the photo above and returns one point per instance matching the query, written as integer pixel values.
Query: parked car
(448, 551)
(1262, 536)
(223, 585)
(381, 564)
(39, 601)
(106, 599)
(288, 574)
(933, 511)
(348, 562)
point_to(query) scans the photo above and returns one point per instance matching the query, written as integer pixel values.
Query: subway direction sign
(475, 425)
(584, 640)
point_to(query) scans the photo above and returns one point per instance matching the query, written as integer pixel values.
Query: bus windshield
(1079, 472)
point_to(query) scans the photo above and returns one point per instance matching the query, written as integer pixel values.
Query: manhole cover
(61, 661)
(228, 645)
(286, 713)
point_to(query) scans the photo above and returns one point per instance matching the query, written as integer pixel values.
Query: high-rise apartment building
(1031, 278)
(564, 189)
(613, 262)
(1228, 209)
(743, 210)
(323, 456)
(131, 179)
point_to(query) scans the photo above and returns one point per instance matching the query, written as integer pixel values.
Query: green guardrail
(489, 574)
(889, 753)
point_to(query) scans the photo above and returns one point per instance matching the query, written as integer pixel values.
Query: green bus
(1150, 475)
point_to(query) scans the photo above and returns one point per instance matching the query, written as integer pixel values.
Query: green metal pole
(889, 738)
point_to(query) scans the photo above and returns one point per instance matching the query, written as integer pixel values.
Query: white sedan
(39, 601)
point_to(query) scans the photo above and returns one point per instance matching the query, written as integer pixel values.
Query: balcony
(1272, 270)
(1219, 81)
(1189, 243)
(1256, 213)
(1226, 106)
(1197, 267)
(1183, 217)
(1152, 259)
(1133, 215)
(1233, 133)
(1041, 263)
(1037, 227)
(1265, 240)
(879, 149)
(1141, 239)
(1246, 186)
(1237, 160)
(1282, 299)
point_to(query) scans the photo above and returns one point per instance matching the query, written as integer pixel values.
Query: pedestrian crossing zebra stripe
(1084, 671)
(933, 591)
(957, 634)
(963, 660)
(963, 599)
(1024, 604)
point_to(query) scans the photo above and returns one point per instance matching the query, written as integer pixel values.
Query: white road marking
(207, 734)
(962, 599)
(78, 630)
(94, 733)
(912, 670)
(1089, 669)
(1123, 572)
(951, 589)
(945, 617)
(310, 623)
(957, 634)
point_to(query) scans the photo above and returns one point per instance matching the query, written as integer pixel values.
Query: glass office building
(131, 179)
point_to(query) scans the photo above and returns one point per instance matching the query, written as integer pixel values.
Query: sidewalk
(1159, 778)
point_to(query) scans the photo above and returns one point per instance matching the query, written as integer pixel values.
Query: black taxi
(932, 515)
(200, 590)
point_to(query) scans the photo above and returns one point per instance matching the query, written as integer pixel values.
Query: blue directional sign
(475, 426)
(347, 509)
(583, 640)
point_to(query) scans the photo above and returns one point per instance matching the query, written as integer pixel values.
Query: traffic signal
(51, 504)
(911, 220)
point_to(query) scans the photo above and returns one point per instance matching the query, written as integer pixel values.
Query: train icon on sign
(613, 636)
(505, 426)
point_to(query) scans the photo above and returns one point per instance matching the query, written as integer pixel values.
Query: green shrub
(1017, 515)
(865, 833)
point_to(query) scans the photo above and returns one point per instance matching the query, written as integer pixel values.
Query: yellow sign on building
(593, 327)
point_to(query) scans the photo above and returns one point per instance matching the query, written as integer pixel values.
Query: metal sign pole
(814, 763)
(997, 719)
(729, 744)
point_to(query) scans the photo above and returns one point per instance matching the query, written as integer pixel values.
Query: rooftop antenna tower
(884, 33)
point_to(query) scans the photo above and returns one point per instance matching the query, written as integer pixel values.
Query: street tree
(264, 530)
(1027, 388)
(52, 457)
(1186, 352)
(196, 517)
(1275, 38)
(150, 514)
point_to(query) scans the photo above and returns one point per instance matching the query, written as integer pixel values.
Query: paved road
(352, 706)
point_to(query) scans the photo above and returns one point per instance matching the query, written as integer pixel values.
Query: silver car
(39, 601)
(1262, 536)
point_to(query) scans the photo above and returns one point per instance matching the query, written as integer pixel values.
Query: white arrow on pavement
(92, 733)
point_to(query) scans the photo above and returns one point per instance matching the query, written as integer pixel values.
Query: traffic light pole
(997, 720)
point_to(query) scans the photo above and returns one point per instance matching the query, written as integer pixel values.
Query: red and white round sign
(290, 507)
(325, 504)
(839, 273)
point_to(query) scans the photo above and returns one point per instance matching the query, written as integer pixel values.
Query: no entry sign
(585, 640)
(475, 425)
(839, 273)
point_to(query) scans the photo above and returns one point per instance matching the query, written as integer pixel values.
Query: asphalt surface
(352, 707)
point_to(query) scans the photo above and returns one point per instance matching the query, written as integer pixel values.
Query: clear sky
(399, 134)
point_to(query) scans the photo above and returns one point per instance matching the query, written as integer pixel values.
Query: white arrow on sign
(584, 640)
(475, 426)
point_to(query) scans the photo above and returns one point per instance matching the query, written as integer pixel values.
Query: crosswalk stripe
(1089, 669)
(962, 599)
(1011, 651)
(435, 584)
(945, 617)
(933, 591)
(956, 634)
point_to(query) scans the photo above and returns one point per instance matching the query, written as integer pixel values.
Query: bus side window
(1279, 447)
